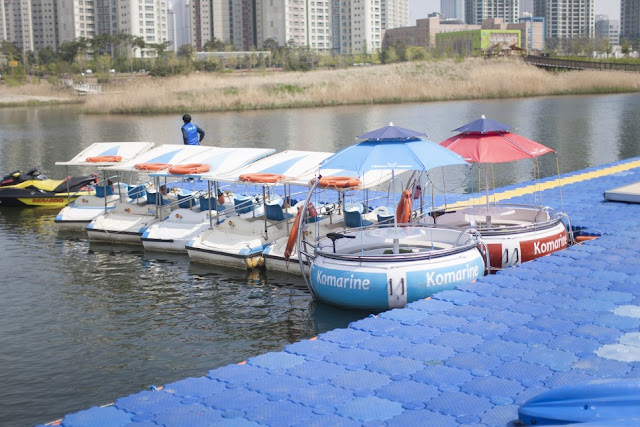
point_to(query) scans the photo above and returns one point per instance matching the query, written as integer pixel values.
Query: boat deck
(468, 356)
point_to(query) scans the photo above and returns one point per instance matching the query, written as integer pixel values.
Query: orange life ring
(104, 159)
(338, 182)
(293, 237)
(152, 166)
(267, 178)
(403, 211)
(189, 169)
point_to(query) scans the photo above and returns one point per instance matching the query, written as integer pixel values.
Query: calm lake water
(83, 324)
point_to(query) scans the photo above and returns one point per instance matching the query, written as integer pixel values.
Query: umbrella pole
(396, 241)
(486, 184)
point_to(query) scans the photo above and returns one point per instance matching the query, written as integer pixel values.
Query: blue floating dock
(469, 356)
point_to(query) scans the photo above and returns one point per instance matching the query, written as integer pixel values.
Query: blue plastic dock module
(467, 356)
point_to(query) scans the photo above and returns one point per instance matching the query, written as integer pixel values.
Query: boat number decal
(56, 200)
(532, 249)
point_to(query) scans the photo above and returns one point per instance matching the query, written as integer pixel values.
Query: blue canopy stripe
(282, 167)
(218, 161)
(111, 151)
(164, 158)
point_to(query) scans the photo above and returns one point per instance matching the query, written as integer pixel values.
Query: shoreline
(426, 81)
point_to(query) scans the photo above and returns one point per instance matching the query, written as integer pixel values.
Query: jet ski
(32, 188)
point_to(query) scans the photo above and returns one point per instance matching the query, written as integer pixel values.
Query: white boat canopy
(220, 160)
(292, 165)
(169, 154)
(125, 150)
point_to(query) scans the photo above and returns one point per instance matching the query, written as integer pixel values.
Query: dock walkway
(470, 356)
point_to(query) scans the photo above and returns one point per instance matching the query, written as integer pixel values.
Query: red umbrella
(487, 141)
(493, 146)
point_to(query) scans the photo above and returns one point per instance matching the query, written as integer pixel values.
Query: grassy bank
(407, 82)
(473, 78)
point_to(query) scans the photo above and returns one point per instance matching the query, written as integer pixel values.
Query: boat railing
(459, 245)
(506, 222)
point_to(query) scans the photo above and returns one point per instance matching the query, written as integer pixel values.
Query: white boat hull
(364, 273)
(236, 243)
(518, 234)
(124, 224)
(172, 234)
(77, 215)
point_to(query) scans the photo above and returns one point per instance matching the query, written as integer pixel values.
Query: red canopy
(494, 147)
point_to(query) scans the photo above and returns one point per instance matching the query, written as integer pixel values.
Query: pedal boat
(239, 241)
(78, 214)
(198, 211)
(146, 203)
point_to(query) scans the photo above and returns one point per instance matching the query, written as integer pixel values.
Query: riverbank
(472, 78)
(12, 100)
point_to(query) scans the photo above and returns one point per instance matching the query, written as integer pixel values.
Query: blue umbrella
(383, 150)
(484, 125)
(391, 132)
(392, 148)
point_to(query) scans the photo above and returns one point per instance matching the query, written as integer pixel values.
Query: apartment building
(338, 26)
(44, 14)
(608, 29)
(452, 9)
(567, 19)
(179, 23)
(477, 11)
(630, 21)
(526, 8)
(141, 18)
(17, 23)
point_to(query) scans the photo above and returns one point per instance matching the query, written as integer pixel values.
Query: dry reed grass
(407, 82)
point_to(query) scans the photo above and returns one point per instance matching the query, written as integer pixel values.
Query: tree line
(123, 52)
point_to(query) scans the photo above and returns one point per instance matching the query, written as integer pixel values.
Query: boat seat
(275, 212)
(137, 192)
(152, 198)
(102, 191)
(207, 203)
(385, 219)
(243, 204)
(186, 200)
(353, 217)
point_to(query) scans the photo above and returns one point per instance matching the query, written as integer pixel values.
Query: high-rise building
(45, 17)
(147, 20)
(243, 24)
(477, 11)
(179, 24)
(453, 9)
(608, 29)
(17, 23)
(630, 21)
(339, 26)
(565, 19)
(540, 8)
(394, 13)
(526, 8)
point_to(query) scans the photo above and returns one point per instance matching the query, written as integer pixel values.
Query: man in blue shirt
(191, 134)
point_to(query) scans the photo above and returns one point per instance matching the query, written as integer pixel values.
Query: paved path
(469, 356)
